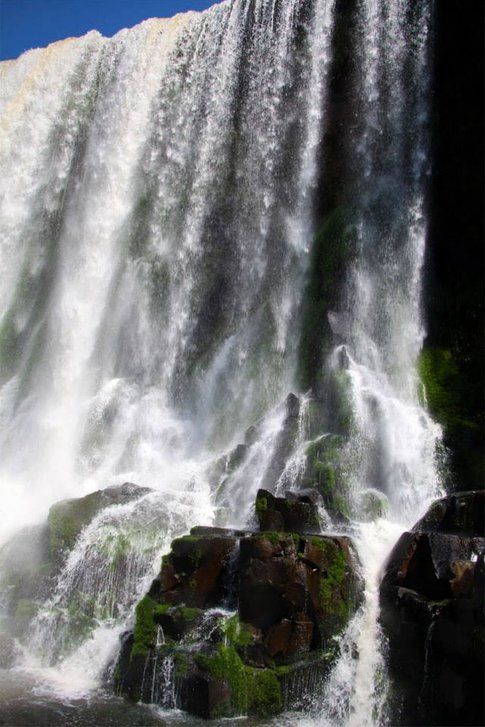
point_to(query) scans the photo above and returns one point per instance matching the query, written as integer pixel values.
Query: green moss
(181, 662)
(261, 505)
(341, 506)
(339, 393)
(236, 633)
(145, 629)
(119, 550)
(81, 624)
(189, 614)
(26, 610)
(450, 391)
(330, 589)
(161, 609)
(264, 692)
(226, 665)
(273, 537)
(282, 671)
(318, 543)
(440, 375)
(372, 505)
(326, 470)
(66, 520)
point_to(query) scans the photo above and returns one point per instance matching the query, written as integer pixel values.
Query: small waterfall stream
(163, 201)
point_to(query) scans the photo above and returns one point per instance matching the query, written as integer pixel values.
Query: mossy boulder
(289, 595)
(326, 471)
(372, 505)
(194, 573)
(31, 560)
(68, 518)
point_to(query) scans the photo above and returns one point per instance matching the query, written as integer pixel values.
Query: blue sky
(28, 24)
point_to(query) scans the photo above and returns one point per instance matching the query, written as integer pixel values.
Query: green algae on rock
(237, 617)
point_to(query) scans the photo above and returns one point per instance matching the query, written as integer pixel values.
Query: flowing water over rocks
(211, 253)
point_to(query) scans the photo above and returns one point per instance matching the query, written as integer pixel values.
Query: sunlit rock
(236, 619)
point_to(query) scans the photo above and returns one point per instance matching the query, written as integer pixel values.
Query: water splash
(153, 259)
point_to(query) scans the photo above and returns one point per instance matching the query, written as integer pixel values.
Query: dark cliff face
(454, 353)
(432, 613)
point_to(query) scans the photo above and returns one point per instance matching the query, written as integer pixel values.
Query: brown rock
(296, 594)
(195, 573)
(462, 583)
(278, 638)
(432, 613)
(462, 513)
(295, 513)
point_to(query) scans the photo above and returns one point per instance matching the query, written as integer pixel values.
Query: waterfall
(166, 197)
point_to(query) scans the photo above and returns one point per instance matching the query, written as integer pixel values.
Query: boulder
(69, 517)
(290, 594)
(195, 571)
(31, 560)
(297, 512)
(462, 513)
(327, 472)
(432, 612)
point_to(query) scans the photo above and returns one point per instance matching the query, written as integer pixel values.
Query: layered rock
(432, 611)
(236, 618)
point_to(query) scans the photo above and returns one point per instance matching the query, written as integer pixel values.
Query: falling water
(159, 205)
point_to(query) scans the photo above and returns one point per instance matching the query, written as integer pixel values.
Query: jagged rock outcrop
(296, 512)
(235, 618)
(432, 611)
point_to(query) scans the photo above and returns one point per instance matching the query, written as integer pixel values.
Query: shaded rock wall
(432, 611)
(453, 362)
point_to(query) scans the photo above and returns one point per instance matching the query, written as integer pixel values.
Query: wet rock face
(295, 513)
(67, 518)
(462, 513)
(432, 611)
(288, 594)
(31, 560)
(298, 591)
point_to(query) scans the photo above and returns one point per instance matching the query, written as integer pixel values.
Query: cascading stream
(159, 209)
